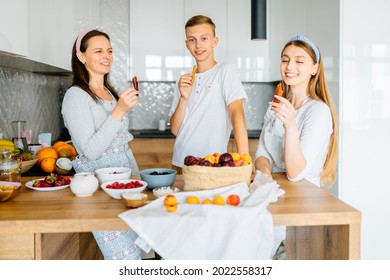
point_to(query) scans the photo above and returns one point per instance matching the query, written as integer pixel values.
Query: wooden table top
(303, 204)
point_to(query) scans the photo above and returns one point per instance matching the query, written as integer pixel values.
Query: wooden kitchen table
(58, 225)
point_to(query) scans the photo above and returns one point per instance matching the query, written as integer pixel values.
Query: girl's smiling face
(296, 66)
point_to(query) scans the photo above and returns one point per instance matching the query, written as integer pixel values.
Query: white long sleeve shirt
(314, 124)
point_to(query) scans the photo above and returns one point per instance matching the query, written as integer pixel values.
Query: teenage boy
(209, 103)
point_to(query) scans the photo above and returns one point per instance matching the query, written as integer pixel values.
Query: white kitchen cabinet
(287, 18)
(157, 36)
(14, 27)
(251, 57)
(157, 50)
(51, 32)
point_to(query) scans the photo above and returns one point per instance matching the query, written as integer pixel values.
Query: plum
(188, 160)
(204, 162)
(225, 157)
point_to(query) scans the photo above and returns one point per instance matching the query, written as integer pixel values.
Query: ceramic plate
(29, 185)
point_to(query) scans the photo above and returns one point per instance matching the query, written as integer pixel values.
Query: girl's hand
(185, 85)
(284, 111)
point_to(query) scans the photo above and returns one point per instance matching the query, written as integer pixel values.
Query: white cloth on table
(206, 231)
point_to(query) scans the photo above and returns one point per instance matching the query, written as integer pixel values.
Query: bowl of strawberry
(118, 187)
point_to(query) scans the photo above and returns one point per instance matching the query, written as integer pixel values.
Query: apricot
(170, 200)
(235, 156)
(219, 200)
(171, 208)
(193, 200)
(246, 158)
(233, 200)
(207, 201)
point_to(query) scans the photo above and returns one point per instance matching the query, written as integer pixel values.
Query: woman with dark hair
(96, 118)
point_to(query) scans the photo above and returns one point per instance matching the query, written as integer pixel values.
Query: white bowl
(112, 174)
(116, 193)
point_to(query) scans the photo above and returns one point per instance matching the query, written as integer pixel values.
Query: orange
(67, 146)
(48, 164)
(193, 200)
(219, 200)
(46, 152)
(235, 156)
(207, 201)
(246, 158)
(57, 144)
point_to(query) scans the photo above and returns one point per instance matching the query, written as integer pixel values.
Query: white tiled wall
(365, 119)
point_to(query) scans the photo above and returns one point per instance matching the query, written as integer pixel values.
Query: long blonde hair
(318, 90)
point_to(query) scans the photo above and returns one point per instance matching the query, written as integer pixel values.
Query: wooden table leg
(336, 242)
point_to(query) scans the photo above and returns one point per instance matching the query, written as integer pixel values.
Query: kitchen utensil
(84, 184)
(9, 168)
(19, 139)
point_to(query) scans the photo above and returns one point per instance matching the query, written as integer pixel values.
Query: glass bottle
(10, 170)
(19, 139)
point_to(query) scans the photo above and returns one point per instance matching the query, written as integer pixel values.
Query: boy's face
(201, 42)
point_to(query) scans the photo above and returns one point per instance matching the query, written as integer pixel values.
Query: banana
(6, 145)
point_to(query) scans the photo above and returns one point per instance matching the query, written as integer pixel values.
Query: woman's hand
(127, 100)
(284, 111)
(185, 85)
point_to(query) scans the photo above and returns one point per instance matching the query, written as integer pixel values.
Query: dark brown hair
(80, 75)
(200, 19)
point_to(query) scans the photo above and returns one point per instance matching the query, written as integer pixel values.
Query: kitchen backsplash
(30, 97)
(156, 98)
(36, 98)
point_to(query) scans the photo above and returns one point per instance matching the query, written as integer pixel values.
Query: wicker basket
(206, 178)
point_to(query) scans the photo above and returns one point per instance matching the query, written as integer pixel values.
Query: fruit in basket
(218, 160)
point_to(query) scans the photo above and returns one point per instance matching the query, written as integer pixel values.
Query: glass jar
(10, 170)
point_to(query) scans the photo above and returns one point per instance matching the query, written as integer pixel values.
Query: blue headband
(309, 42)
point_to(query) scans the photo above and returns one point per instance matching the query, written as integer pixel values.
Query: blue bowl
(160, 179)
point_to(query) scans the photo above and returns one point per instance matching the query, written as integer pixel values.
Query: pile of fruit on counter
(16, 152)
(52, 180)
(57, 158)
(216, 170)
(171, 203)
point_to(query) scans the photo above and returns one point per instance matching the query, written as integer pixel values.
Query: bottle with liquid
(10, 170)
(161, 123)
(19, 140)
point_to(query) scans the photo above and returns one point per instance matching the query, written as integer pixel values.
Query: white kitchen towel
(207, 231)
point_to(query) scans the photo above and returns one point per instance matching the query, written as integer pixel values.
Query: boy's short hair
(200, 19)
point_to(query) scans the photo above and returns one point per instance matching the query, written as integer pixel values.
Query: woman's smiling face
(296, 66)
(98, 55)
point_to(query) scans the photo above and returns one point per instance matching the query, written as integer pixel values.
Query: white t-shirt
(206, 126)
(314, 123)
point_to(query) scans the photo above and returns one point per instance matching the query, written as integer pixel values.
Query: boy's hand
(185, 85)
